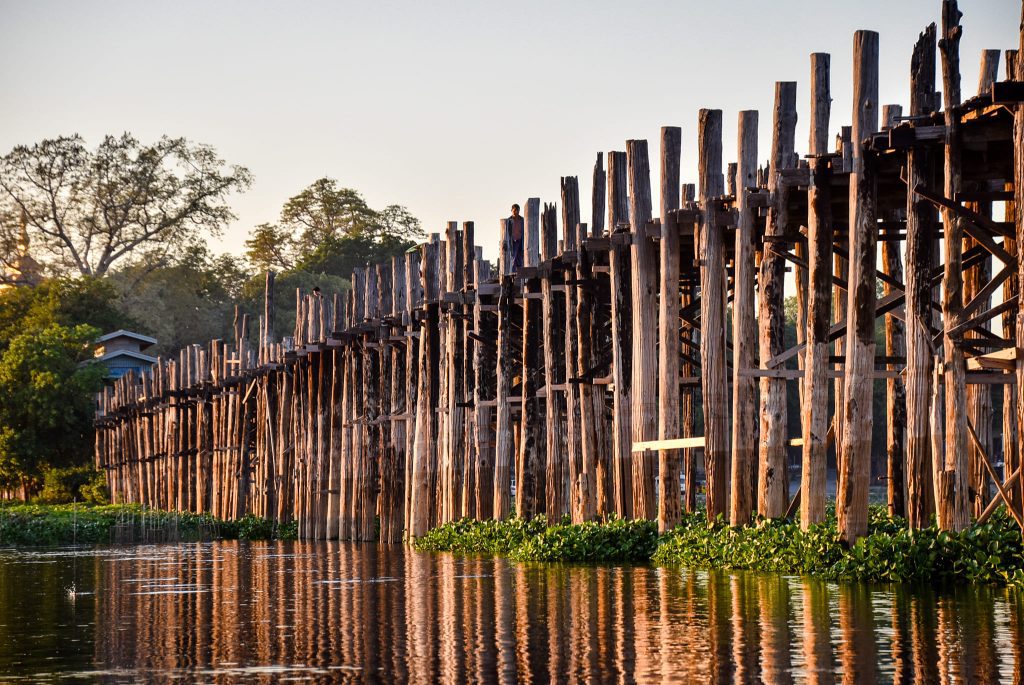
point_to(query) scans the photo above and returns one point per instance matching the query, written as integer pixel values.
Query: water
(272, 612)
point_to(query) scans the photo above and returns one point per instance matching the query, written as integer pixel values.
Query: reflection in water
(332, 611)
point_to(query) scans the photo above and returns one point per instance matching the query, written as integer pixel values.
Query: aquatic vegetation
(534, 540)
(40, 524)
(989, 553)
(890, 552)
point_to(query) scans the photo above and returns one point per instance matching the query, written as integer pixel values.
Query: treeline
(96, 239)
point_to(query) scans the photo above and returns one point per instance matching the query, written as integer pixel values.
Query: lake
(328, 612)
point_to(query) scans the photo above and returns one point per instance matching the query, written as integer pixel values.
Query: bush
(890, 552)
(73, 484)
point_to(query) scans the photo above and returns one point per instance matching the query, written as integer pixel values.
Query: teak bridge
(588, 382)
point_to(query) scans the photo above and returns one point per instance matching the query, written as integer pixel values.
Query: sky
(454, 109)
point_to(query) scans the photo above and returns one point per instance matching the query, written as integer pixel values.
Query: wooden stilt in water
(814, 410)
(669, 495)
(744, 345)
(714, 381)
(854, 474)
(643, 261)
(620, 271)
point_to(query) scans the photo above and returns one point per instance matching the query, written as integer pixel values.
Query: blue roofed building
(122, 351)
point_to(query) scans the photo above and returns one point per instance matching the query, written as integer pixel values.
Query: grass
(62, 524)
(891, 552)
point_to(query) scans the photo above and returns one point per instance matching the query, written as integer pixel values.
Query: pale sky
(454, 109)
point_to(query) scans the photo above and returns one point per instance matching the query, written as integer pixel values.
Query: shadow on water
(235, 611)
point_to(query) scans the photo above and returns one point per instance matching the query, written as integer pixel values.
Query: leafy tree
(330, 229)
(270, 247)
(89, 210)
(189, 300)
(46, 401)
(64, 301)
(323, 210)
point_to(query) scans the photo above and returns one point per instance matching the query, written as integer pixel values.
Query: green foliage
(891, 552)
(74, 484)
(46, 405)
(65, 301)
(328, 229)
(989, 553)
(534, 540)
(617, 540)
(38, 524)
(188, 300)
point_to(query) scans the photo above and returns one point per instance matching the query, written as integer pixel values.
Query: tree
(89, 210)
(270, 247)
(323, 210)
(63, 301)
(189, 300)
(46, 401)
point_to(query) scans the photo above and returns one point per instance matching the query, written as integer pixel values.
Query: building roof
(126, 353)
(122, 333)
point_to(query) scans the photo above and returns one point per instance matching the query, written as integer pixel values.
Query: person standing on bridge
(514, 231)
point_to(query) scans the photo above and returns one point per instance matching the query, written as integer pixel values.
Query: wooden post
(573, 416)
(529, 461)
(1010, 436)
(953, 504)
(554, 402)
(579, 384)
(1018, 202)
(597, 201)
(644, 264)
(744, 346)
(504, 442)
(424, 449)
(689, 339)
(414, 299)
(814, 412)
(920, 263)
(620, 279)
(772, 477)
(469, 452)
(895, 348)
(854, 474)
(668, 331)
(714, 381)
(979, 396)
(484, 388)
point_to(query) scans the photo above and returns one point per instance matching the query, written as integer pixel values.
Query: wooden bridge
(592, 380)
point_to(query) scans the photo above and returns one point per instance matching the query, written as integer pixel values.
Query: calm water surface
(269, 612)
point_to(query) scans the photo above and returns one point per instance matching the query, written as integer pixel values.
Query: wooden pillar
(744, 331)
(1011, 287)
(814, 410)
(772, 477)
(921, 238)
(573, 417)
(620, 278)
(554, 401)
(714, 381)
(455, 418)
(424, 448)
(529, 461)
(689, 339)
(579, 382)
(484, 387)
(953, 503)
(979, 396)
(414, 303)
(1018, 202)
(644, 264)
(895, 348)
(469, 452)
(854, 475)
(504, 440)
(668, 331)
(597, 201)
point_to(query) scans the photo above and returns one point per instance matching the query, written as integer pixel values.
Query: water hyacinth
(992, 552)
